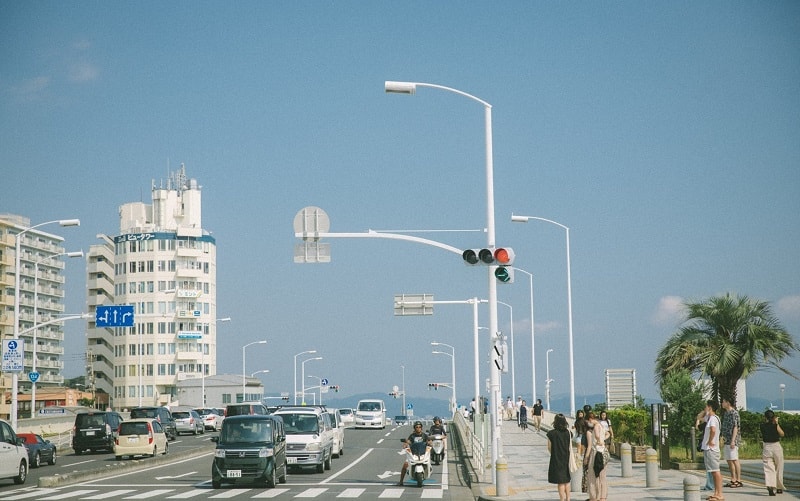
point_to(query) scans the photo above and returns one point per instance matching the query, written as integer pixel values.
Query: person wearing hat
(416, 436)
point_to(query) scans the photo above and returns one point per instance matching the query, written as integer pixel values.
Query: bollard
(691, 488)
(501, 469)
(626, 459)
(651, 467)
(577, 476)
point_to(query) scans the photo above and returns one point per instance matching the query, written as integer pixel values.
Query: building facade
(164, 264)
(41, 287)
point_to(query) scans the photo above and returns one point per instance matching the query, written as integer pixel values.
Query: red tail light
(149, 434)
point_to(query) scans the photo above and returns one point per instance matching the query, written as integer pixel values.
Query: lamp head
(399, 87)
(519, 219)
(70, 222)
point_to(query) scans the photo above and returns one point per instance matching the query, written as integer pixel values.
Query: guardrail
(474, 445)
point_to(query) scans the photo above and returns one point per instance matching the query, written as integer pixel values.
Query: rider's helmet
(437, 420)
(417, 423)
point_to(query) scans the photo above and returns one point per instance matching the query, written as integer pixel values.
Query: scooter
(419, 461)
(437, 449)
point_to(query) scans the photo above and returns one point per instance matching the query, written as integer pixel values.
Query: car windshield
(345, 412)
(128, 428)
(181, 415)
(88, 420)
(300, 424)
(369, 406)
(246, 431)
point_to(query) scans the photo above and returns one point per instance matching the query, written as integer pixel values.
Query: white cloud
(670, 311)
(788, 307)
(83, 72)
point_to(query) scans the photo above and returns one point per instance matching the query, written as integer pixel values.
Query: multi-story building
(164, 264)
(41, 287)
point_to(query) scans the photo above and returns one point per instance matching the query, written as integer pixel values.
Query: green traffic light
(502, 274)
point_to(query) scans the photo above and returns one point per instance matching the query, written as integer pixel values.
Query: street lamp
(452, 368)
(513, 372)
(203, 365)
(295, 371)
(411, 88)
(547, 380)
(303, 376)
(36, 316)
(244, 372)
(525, 219)
(533, 340)
(783, 403)
(319, 380)
(17, 256)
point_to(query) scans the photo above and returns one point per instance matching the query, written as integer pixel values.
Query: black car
(162, 414)
(39, 449)
(95, 430)
(250, 448)
(245, 409)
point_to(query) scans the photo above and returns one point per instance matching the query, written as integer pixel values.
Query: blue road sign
(33, 376)
(114, 316)
(324, 381)
(409, 406)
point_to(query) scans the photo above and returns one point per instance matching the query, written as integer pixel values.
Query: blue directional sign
(33, 376)
(114, 316)
(324, 381)
(409, 406)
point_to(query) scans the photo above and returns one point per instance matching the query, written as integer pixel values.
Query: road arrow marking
(387, 474)
(176, 476)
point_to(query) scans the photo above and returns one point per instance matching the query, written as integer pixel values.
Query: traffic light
(435, 386)
(502, 257)
(393, 394)
(504, 274)
(285, 398)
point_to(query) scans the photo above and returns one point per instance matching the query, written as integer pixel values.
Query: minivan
(162, 414)
(250, 448)
(94, 431)
(246, 409)
(370, 414)
(309, 436)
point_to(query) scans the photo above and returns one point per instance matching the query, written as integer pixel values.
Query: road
(369, 469)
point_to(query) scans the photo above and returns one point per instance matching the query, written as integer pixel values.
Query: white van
(370, 414)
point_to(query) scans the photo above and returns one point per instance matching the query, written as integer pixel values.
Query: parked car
(250, 448)
(13, 455)
(245, 409)
(212, 418)
(348, 417)
(39, 449)
(140, 437)
(94, 431)
(161, 414)
(188, 422)
(309, 436)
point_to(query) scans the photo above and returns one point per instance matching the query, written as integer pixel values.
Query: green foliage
(685, 399)
(631, 424)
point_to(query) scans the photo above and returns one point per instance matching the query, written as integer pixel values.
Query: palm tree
(726, 338)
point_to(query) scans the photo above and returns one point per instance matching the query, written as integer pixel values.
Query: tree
(726, 338)
(685, 398)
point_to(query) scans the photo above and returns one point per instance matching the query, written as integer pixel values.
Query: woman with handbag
(562, 457)
(596, 459)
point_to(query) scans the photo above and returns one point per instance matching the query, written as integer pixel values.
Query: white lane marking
(391, 493)
(272, 493)
(347, 467)
(311, 493)
(158, 467)
(70, 494)
(150, 494)
(70, 465)
(188, 494)
(379, 441)
(432, 494)
(351, 493)
(28, 494)
(111, 494)
(177, 476)
(229, 494)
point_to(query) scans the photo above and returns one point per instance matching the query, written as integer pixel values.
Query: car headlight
(265, 452)
(313, 446)
(219, 453)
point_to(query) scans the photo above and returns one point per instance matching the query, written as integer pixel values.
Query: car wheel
(327, 464)
(194, 431)
(272, 478)
(22, 473)
(321, 466)
(282, 478)
(118, 458)
(37, 460)
(78, 452)
(166, 448)
(155, 451)
(216, 484)
(52, 459)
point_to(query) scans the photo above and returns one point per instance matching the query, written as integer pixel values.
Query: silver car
(188, 422)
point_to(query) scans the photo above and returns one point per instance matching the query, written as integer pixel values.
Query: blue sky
(665, 135)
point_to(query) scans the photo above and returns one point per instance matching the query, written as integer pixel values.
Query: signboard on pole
(413, 304)
(13, 355)
(114, 316)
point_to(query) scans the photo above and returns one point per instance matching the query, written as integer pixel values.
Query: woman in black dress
(559, 446)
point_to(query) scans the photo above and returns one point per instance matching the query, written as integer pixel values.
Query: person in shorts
(710, 446)
(731, 425)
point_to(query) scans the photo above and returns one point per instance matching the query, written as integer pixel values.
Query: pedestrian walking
(560, 447)
(772, 455)
(710, 448)
(509, 408)
(522, 416)
(595, 460)
(731, 427)
(537, 415)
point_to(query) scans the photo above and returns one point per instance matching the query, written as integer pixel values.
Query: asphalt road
(369, 469)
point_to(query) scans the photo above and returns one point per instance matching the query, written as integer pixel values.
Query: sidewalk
(528, 461)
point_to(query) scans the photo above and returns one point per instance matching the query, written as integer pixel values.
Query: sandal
(737, 484)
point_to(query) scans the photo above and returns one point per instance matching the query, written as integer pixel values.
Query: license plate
(90, 432)
(291, 460)
(234, 473)
(133, 440)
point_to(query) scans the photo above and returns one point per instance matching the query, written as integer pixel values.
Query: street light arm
(391, 87)
(525, 219)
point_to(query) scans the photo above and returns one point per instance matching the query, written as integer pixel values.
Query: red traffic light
(504, 255)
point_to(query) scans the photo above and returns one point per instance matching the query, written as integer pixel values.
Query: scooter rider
(416, 437)
(437, 428)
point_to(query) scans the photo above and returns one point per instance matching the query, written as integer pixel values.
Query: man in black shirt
(537, 414)
(418, 436)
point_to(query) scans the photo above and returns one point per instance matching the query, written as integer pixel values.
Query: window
(162, 348)
(162, 369)
(162, 327)
(171, 369)
(226, 398)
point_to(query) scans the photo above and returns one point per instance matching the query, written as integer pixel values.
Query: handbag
(573, 463)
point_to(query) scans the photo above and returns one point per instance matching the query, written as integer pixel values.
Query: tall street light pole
(525, 219)
(319, 386)
(17, 259)
(403, 368)
(295, 370)
(547, 379)
(533, 338)
(513, 373)
(303, 376)
(244, 371)
(452, 356)
(411, 88)
(36, 317)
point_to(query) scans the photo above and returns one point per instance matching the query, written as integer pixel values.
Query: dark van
(162, 414)
(245, 409)
(94, 431)
(252, 449)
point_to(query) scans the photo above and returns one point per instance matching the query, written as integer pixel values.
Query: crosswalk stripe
(188, 494)
(391, 493)
(28, 494)
(110, 494)
(271, 493)
(150, 494)
(229, 494)
(351, 493)
(432, 494)
(312, 493)
(70, 494)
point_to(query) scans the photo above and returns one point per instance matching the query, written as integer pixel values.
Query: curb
(120, 467)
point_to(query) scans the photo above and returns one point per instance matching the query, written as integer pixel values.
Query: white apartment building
(164, 264)
(41, 287)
